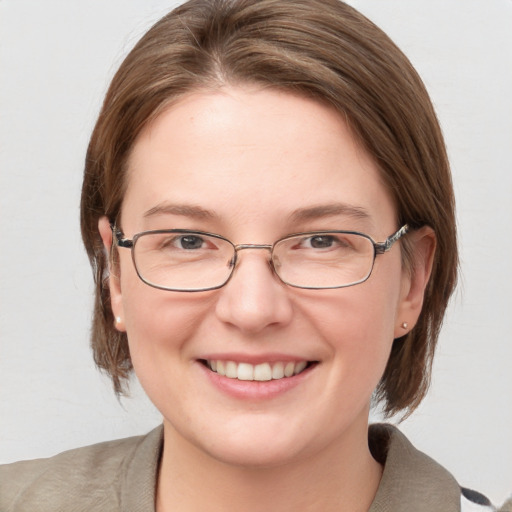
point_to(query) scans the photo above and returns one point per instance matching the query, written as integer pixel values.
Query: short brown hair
(323, 49)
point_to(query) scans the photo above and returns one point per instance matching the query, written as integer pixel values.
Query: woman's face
(253, 166)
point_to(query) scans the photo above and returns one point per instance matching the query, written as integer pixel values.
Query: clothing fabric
(121, 476)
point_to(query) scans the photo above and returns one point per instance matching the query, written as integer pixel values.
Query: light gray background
(56, 58)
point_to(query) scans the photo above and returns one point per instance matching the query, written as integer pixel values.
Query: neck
(341, 478)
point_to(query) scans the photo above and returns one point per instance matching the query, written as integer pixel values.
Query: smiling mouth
(257, 372)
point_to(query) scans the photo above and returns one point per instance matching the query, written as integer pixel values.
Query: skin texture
(252, 159)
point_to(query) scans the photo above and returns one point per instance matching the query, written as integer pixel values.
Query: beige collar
(411, 481)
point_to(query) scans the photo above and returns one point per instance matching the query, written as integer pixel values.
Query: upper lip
(255, 359)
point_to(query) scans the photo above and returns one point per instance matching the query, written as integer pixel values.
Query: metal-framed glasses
(193, 261)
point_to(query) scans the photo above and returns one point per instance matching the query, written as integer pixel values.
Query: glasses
(193, 261)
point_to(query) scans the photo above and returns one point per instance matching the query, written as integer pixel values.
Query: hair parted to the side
(319, 48)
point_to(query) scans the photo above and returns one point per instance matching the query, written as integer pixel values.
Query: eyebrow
(329, 210)
(184, 210)
(299, 215)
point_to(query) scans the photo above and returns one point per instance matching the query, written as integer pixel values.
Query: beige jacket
(121, 475)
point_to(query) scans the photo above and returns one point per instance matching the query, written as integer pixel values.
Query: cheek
(158, 322)
(158, 319)
(358, 326)
(359, 315)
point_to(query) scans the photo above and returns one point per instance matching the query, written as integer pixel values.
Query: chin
(254, 456)
(262, 444)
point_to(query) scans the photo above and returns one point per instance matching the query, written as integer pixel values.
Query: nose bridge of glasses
(242, 247)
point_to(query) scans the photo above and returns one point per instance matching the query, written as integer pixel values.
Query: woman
(268, 210)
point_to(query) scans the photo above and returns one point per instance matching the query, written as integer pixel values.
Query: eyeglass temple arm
(383, 247)
(119, 237)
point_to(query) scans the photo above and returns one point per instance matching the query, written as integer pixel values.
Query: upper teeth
(260, 372)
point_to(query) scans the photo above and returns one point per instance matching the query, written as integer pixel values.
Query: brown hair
(320, 48)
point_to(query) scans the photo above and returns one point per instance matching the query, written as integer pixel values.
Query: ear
(114, 283)
(415, 278)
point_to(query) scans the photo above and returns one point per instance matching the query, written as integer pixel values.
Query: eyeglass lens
(196, 261)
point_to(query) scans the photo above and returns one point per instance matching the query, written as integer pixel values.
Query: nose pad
(232, 262)
(275, 265)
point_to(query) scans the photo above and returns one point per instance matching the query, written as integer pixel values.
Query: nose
(254, 298)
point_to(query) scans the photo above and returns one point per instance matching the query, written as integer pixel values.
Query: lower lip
(255, 390)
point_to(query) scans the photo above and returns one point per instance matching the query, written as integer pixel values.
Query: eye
(188, 242)
(323, 242)
(320, 241)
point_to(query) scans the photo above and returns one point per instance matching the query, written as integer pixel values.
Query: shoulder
(91, 478)
(423, 485)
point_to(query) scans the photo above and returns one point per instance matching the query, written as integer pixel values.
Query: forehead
(251, 153)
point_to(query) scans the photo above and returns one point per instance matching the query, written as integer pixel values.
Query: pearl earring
(118, 320)
(405, 325)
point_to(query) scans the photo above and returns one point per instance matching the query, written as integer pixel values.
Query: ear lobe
(114, 283)
(415, 279)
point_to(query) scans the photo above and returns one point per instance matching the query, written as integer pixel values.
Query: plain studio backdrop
(56, 60)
